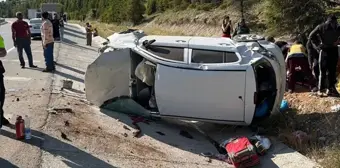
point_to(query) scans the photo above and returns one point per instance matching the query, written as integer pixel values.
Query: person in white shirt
(47, 42)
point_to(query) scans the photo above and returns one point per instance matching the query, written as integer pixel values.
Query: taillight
(255, 97)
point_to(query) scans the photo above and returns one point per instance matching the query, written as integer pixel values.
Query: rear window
(171, 53)
(35, 21)
(210, 56)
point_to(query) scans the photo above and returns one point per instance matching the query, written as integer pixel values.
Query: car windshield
(35, 21)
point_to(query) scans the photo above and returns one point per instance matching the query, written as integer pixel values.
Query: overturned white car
(193, 78)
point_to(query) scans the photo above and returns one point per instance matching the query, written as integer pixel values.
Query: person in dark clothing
(284, 47)
(21, 36)
(226, 27)
(241, 28)
(3, 53)
(56, 26)
(328, 33)
(88, 34)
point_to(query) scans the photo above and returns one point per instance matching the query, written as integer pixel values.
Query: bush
(151, 7)
(206, 7)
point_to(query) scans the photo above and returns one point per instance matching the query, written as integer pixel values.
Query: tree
(294, 16)
(135, 11)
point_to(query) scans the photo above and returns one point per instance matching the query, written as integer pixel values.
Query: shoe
(23, 67)
(322, 94)
(33, 66)
(5, 121)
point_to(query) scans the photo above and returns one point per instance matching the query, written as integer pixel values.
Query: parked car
(35, 25)
(218, 80)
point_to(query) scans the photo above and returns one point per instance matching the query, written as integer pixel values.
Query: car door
(206, 93)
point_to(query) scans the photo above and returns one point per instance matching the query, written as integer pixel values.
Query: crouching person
(297, 63)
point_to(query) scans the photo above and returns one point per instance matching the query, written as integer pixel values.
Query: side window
(209, 56)
(171, 53)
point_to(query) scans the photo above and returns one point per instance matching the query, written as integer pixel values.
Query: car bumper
(35, 33)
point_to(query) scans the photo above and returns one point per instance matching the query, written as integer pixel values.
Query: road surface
(86, 136)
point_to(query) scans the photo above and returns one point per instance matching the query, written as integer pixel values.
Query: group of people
(227, 28)
(315, 64)
(21, 36)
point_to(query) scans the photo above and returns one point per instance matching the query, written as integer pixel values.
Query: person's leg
(323, 71)
(52, 56)
(291, 74)
(20, 52)
(46, 56)
(28, 51)
(303, 63)
(3, 120)
(331, 66)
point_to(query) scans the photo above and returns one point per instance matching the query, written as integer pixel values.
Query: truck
(32, 13)
(51, 8)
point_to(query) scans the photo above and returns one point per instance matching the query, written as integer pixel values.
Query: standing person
(297, 61)
(3, 53)
(47, 42)
(241, 28)
(226, 27)
(88, 34)
(56, 25)
(328, 33)
(21, 36)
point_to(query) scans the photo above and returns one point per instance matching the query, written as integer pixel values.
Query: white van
(193, 78)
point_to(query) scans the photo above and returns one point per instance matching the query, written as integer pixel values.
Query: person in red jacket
(226, 27)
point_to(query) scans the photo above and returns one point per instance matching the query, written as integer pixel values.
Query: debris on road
(67, 123)
(67, 84)
(63, 110)
(125, 135)
(186, 134)
(42, 89)
(127, 128)
(18, 99)
(64, 136)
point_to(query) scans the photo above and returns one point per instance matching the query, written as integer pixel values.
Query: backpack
(242, 154)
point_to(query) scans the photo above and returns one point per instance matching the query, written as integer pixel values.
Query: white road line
(9, 50)
(15, 78)
(34, 61)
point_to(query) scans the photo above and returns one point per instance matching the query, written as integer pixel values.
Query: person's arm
(44, 32)
(14, 35)
(28, 29)
(313, 36)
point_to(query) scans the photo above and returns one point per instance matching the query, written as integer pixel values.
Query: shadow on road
(70, 68)
(74, 157)
(73, 35)
(6, 164)
(76, 45)
(68, 76)
(74, 31)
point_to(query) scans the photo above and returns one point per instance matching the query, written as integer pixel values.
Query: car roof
(207, 43)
